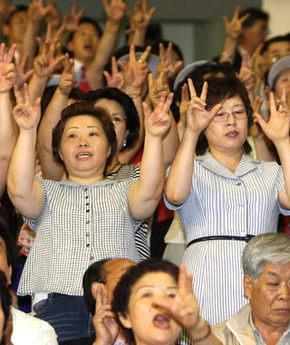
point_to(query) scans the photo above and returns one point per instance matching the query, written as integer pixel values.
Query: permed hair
(123, 290)
(78, 109)
(267, 248)
(219, 90)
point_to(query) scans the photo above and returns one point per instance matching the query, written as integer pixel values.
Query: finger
(144, 5)
(74, 7)
(107, 76)
(81, 12)
(59, 32)
(215, 110)
(132, 53)
(272, 103)
(18, 96)
(151, 11)
(150, 81)
(191, 88)
(28, 74)
(105, 4)
(114, 66)
(161, 52)
(11, 52)
(2, 51)
(24, 61)
(244, 17)
(37, 105)
(184, 93)
(145, 54)
(146, 109)
(168, 103)
(203, 94)
(236, 13)
(226, 20)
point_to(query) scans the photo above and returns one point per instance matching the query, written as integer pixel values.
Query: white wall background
(279, 11)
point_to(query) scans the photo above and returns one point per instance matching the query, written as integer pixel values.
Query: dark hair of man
(175, 47)
(84, 108)
(281, 38)
(123, 290)
(9, 243)
(254, 15)
(219, 90)
(18, 8)
(94, 273)
(91, 21)
(132, 117)
(5, 301)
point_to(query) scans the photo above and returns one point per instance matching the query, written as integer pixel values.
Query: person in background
(265, 320)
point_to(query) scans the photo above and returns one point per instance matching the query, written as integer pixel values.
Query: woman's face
(84, 147)
(118, 117)
(152, 324)
(228, 135)
(282, 83)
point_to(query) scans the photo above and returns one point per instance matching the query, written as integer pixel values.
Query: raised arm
(115, 12)
(185, 310)
(277, 129)
(134, 76)
(8, 130)
(144, 195)
(25, 192)
(178, 183)
(50, 168)
(233, 30)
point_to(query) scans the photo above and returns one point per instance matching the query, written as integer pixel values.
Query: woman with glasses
(224, 197)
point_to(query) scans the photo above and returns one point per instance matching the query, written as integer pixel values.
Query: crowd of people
(111, 160)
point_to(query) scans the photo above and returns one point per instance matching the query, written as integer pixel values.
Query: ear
(70, 46)
(6, 30)
(60, 155)
(109, 150)
(125, 320)
(248, 285)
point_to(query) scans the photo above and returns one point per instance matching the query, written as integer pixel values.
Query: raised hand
(158, 122)
(198, 117)
(46, 63)
(158, 86)
(67, 78)
(234, 27)
(70, 21)
(22, 75)
(115, 10)
(141, 17)
(104, 323)
(36, 11)
(135, 71)
(7, 68)
(168, 58)
(5, 10)
(277, 128)
(26, 115)
(115, 79)
(184, 306)
(54, 15)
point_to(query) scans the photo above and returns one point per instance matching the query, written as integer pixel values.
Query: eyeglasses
(222, 116)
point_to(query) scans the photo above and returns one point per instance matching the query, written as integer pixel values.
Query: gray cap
(276, 69)
(152, 61)
(187, 70)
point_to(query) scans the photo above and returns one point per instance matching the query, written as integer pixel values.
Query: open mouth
(232, 134)
(161, 321)
(83, 155)
(88, 47)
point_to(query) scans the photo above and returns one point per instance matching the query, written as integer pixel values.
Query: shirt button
(88, 210)
(238, 184)
(91, 258)
(86, 197)
(87, 222)
(88, 245)
(86, 189)
(88, 234)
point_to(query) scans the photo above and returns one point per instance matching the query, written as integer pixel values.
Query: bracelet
(208, 333)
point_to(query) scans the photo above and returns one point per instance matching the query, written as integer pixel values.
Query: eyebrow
(272, 274)
(153, 286)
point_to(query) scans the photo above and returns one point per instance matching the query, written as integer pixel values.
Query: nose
(231, 119)
(82, 143)
(284, 291)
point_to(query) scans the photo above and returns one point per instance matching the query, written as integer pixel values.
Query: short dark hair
(95, 273)
(84, 108)
(123, 289)
(9, 243)
(281, 38)
(254, 15)
(5, 301)
(219, 90)
(131, 113)
(18, 8)
(91, 21)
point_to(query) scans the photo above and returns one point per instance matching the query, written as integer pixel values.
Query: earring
(124, 143)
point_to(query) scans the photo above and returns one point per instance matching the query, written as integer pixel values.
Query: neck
(248, 48)
(270, 333)
(228, 159)
(85, 180)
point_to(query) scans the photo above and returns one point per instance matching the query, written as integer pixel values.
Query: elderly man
(265, 320)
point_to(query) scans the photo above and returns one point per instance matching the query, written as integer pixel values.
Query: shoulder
(31, 330)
